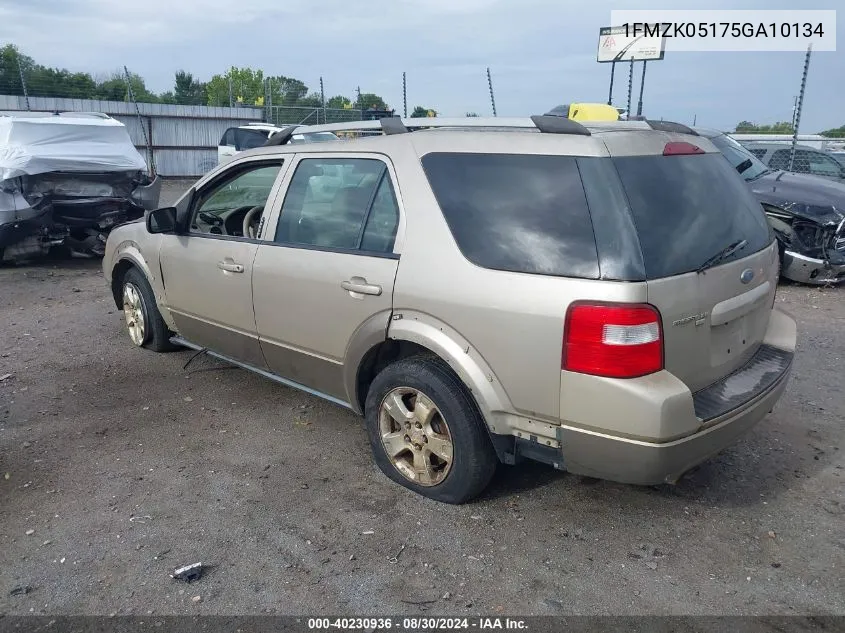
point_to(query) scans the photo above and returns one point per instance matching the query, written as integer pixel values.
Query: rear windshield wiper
(723, 254)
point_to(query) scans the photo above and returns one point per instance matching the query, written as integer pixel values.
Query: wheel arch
(412, 334)
(128, 255)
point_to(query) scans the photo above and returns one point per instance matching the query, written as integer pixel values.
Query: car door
(207, 272)
(226, 149)
(328, 274)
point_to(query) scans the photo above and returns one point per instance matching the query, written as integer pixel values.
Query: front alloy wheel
(134, 313)
(415, 436)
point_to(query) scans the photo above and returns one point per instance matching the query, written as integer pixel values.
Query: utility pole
(231, 100)
(630, 87)
(490, 85)
(23, 84)
(360, 106)
(323, 101)
(140, 122)
(404, 96)
(799, 106)
(642, 85)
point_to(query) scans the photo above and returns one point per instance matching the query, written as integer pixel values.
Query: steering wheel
(248, 230)
(210, 219)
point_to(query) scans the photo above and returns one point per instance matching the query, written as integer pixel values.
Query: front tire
(426, 432)
(144, 322)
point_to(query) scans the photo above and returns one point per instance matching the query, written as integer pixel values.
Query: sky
(541, 53)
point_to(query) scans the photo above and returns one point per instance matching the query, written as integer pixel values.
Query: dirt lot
(116, 466)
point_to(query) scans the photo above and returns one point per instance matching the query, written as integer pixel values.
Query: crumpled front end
(74, 210)
(813, 246)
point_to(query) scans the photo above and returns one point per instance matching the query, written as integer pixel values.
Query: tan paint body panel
(306, 320)
(698, 350)
(212, 307)
(502, 332)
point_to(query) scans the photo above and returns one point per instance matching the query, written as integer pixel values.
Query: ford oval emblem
(746, 276)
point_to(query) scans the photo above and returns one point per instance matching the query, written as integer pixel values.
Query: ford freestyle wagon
(597, 297)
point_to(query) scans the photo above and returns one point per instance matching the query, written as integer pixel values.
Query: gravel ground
(116, 466)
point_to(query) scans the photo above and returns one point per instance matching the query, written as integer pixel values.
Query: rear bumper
(723, 413)
(807, 270)
(646, 463)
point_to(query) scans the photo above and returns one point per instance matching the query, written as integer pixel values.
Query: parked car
(597, 298)
(252, 135)
(806, 212)
(65, 180)
(807, 160)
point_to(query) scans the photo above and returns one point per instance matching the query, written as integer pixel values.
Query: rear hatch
(709, 257)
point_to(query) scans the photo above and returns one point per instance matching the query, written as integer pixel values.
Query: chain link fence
(281, 100)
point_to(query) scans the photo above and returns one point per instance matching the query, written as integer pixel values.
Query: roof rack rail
(552, 124)
(281, 137)
(393, 125)
(670, 126)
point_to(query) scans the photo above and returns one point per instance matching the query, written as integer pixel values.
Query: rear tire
(439, 445)
(143, 320)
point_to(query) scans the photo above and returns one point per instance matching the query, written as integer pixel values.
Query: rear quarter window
(688, 208)
(520, 213)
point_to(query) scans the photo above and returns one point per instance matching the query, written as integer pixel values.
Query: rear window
(688, 208)
(521, 213)
(250, 139)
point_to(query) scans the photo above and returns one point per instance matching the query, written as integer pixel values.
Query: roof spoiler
(281, 137)
(670, 126)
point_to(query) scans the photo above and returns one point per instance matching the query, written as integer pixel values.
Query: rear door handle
(230, 267)
(360, 285)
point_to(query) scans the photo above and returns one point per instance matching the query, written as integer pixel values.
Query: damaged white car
(65, 180)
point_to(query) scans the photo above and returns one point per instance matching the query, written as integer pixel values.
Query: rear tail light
(681, 148)
(620, 340)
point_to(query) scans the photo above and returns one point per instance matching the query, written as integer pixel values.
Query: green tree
(339, 102)
(247, 87)
(40, 80)
(311, 100)
(10, 80)
(187, 90)
(837, 132)
(781, 127)
(287, 90)
(114, 88)
(370, 100)
(421, 112)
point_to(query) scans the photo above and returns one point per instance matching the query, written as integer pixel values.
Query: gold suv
(597, 297)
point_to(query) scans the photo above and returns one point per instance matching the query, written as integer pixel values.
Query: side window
(228, 139)
(780, 159)
(345, 203)
(249, 139)
(380, 232)
(823, 165)
(221, 208)
(802, 161)
(518, 212)
(801, 164)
